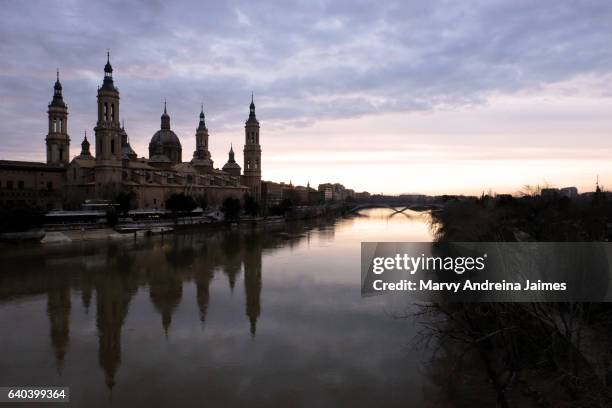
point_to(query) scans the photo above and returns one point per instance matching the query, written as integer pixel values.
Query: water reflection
(115, 273)
(317, 324)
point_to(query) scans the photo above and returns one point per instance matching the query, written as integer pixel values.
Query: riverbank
(533, 354)
(69, 233)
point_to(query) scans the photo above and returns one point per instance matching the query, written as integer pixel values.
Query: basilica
(116, 168)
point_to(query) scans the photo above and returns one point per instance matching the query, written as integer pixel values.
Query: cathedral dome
(166, 137)
(165, 141)
(170, 145)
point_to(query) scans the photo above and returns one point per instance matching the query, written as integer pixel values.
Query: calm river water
(214, 318)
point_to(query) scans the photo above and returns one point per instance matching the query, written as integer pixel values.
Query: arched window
(112, 147)
(61, 154)
(105, 112)
(74, 173)
(60, 127)
(112, 112)
(54, 127)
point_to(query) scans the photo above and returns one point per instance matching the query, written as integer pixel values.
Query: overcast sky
(423, 96)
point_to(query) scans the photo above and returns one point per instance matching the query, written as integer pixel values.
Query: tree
(180, 203)
(126, 201)
(202, 201)
(20, 218)
(251, 206)
(111, 216)
(231, 208)
(282, 207)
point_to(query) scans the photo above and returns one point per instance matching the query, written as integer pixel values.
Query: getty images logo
(412, 264)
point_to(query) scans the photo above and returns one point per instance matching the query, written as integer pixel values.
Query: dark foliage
(126, 201)
(282, 208)
(522, 346)
(526, 218)
(202, 201)
(111, 216)
(251, 207)
(180, 203)
(231, 208)
(21, 219)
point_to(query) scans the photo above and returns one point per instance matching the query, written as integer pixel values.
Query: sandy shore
(87, 235)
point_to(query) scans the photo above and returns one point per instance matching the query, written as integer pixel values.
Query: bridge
(397, 208)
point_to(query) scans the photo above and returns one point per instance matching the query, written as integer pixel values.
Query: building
(30, 184)
(569, 192)
(274, 193)
(335, 192)
(116, 168)
(364, 195)
(326, 192)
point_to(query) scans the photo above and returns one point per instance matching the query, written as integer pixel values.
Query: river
(214, 318)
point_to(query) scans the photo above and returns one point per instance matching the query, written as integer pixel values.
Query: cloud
(306, 61)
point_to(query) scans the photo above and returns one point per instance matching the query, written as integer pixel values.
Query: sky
(396, 97)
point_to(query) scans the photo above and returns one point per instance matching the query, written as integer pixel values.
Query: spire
(165, 118)
(202, 125)
(252, 110)
(58, 85)
(108, 68)
(85, 146)
(58, 99)
(231, 154)
(107, 84)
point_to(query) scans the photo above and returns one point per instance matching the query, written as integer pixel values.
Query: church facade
(116, 168)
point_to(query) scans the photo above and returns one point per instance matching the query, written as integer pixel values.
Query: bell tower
(201, 155)
(108, 131)
(58, 141)
(252, 154)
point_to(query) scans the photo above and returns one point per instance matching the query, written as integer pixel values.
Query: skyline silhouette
(497, 94)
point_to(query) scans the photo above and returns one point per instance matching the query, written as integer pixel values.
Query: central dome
(166, 137)
(169, 143)
(165, 141)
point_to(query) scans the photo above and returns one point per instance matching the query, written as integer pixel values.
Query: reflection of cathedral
(113, 294)
(58, 309)
(252, 283)
(116, 168)
(108, 277)
(165, 291)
